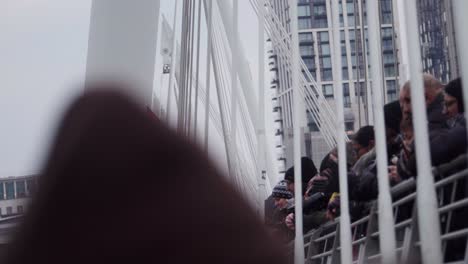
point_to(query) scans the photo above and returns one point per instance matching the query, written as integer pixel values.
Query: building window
(311, 122)
(325, 49)
(312, 72)
(2, 194)
(386, 11)
(388, 59)
(344, 60)
(20, 209)
(304, 23)
(9, 210)
(320, 23)
(345, 74)
(347, 98)
(359, 87)
(387, 45)
(326, 62)
(327, 75)
(31, 186)
(391, 91)
(320, 11)
(387, 33)
(323, 36)
(10, 190)
(20, 189)
(328, 90)
(303, 10)
(305, 37)
(306, 50)
(389, 71)
(310, 63)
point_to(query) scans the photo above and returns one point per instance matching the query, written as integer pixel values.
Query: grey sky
(43, 46)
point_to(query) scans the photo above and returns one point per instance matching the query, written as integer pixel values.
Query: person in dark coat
(282, 201)
(311, 218)
(119, 186)
(445, 143)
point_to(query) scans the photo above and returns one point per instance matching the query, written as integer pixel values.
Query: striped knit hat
(281, 191)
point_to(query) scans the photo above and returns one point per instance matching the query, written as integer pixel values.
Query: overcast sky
(43, 45)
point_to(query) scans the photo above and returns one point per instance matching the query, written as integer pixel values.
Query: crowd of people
(321, 200)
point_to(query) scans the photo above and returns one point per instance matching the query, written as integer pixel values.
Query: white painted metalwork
(234, 71)
(173, 63)
(208, 15)
(385, 217)
(428, 219)
(461, 20)
(295, 71)
(345, 222)
(122, 45)
(315, 101)
(261, 144)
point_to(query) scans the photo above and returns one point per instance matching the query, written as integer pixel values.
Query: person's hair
(308, 171)
(431, 84)
(454, 88)
(364, 136)
(393, 116)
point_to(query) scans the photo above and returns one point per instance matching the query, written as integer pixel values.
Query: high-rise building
(316, 50)
(437, 37)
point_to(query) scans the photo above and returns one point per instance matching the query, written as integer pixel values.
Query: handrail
(404, 186)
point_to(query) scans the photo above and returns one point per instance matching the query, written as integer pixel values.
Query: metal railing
(323, 247)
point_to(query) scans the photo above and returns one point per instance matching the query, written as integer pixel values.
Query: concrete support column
(122, 44)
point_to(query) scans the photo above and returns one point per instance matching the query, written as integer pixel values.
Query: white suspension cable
(173, 61)
(386, 223)
(459, 8)
(208, 18)
(345, 221)
(426, 199)
(299, 240)
(197, 73)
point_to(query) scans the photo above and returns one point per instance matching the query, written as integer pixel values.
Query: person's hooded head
(120, 186)
(308, 171)
(453, 98)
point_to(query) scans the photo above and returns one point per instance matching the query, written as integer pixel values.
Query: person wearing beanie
(281, 195)
(453, 102)
(308, 171)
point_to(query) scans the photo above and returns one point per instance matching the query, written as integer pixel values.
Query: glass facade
(20, 189)
(328, 90)
(10, 190)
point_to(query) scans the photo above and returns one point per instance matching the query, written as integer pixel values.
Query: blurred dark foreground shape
(120, 186)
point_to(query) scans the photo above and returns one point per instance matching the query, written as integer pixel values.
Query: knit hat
(281, 191)
(308, 171)
(454, 88)
(364, 135)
